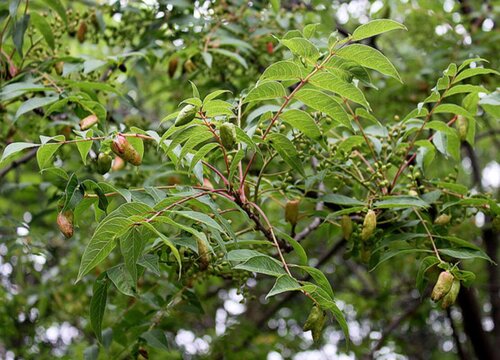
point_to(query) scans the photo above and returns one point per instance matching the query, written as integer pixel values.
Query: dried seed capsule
(451, 296)
(125, 150)
(228, 135)
(443, 285)
(292, 211)
(118, 164)
(65, 223)
(59, 67)
(315, 322)
(346, 224)
(369, 225)
(442, 219)
(88, 122)
(204, 254)
(189, 66)
(186, 115)
(172, 66)
(82, 30)
(462, 126)
(103, 163)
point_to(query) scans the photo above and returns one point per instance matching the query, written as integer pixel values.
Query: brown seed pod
(228, 135)
(292, 211)
(346, 224)
(88, 122)
(451, 296)
(189, 66)
(65, 223)
(118, 164)
(204, 254)
(172, 66)
(443, 285)
(81, 32)
(270, 48)
(125, 150)
(59, 67)
(369, 225)
(442, 219)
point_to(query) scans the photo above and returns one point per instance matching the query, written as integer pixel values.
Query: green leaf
(266, 91)
(150, 262)
(282, 71)
(275, 4)
(46, 152)
(232, 55)
(324, 103)
(73, 193)
(242, 255)
(302, 47)
(103, 241)
(425, 265)
(341, 200)
(201, 153)
(303, 122)
(18, 31)
(91, 353)
(465, 74)
(98, 305)
(132, 245)
(319, 278)
(214, 94)
(167, 241)
(376, 27)
(43, 26)
(452, 109)
(14, 148)
(460, 89)
(287, 151)
(122, 280)
(199, 217)
(465, 253)
(283, 284)
(262, 264)
(352, 141)
(85, 146)
(369, 58)
(327, 81)
(400, 202)
(34, 103)
(156, 339)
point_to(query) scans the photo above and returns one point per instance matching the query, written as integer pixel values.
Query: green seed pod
(442, 219)
(315, 322)
(103, 163)
(88, 122)
(462, 126)
(186, 115)
(228, 135)
(125, 150)
(443, 285)
(451, 296)
(292, 211)
(81, 32)
(346, 224)
(204, 254)
(369, 225)
(65, 223)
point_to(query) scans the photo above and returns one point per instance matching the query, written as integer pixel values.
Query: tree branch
(24, 159)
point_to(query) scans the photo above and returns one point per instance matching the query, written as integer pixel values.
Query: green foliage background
(131, 64)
